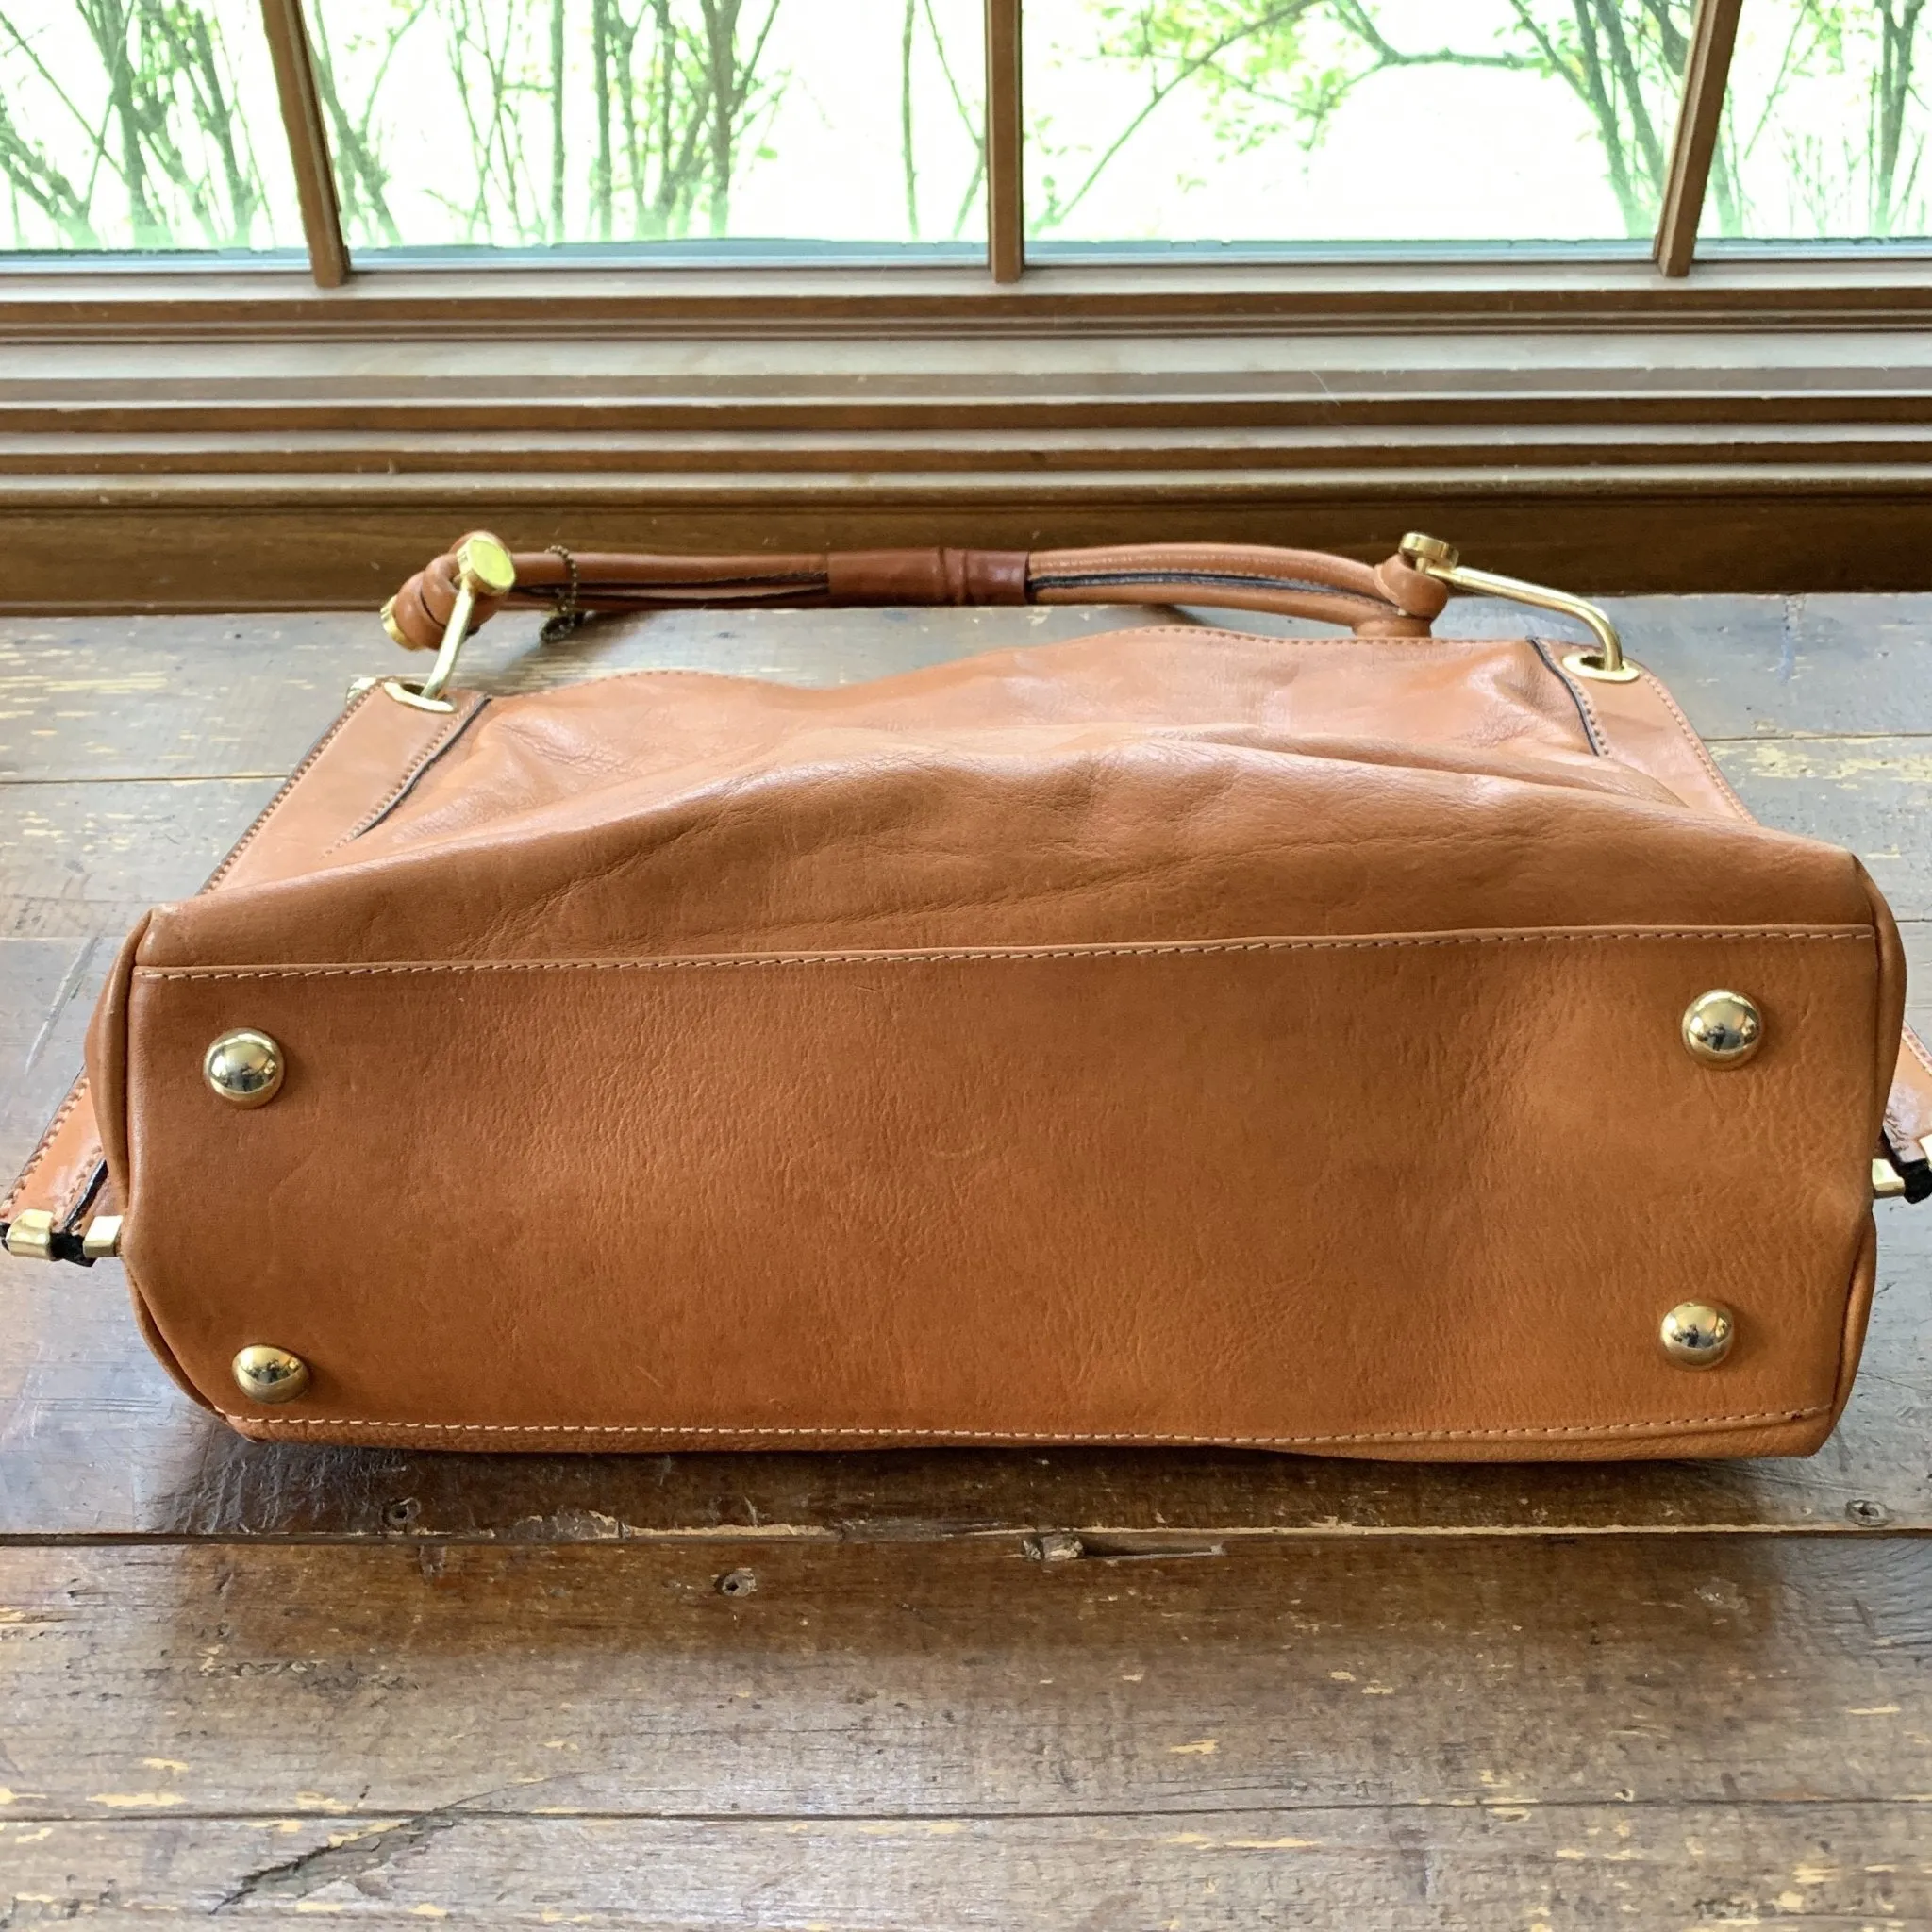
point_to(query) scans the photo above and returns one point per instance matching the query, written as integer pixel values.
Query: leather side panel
(1642, 725)
(361, 759)
(1112, 1194)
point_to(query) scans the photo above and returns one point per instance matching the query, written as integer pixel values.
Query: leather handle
(1390, 599)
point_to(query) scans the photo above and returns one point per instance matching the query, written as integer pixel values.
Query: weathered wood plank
(88, 859)
(1587, 1868)
(1873, 795)
(1756, 667)
(47, 989)
(118, 697)
(284, 1681)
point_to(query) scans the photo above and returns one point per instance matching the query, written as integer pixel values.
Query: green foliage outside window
(149, 125)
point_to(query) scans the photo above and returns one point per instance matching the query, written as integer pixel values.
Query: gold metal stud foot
(102, 1240)
(270, 1374)
(1697, 1335)
(1723, 1028)
(30, 1235)
(245, 1068)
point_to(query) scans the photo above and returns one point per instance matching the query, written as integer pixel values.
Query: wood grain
(268, 444)
(1006, 187)
(1396, 1868)
(308, 138)
(147, 1680)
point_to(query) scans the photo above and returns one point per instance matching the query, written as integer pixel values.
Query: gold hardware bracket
(101, 1241)
(1444, 561)
(484, 569)
(30, 1235)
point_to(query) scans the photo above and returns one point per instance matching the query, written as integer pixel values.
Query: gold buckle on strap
(1444, 561)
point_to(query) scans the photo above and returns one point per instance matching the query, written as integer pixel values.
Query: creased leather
(1175, 1036)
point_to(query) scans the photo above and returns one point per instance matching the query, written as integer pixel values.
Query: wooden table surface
(922, 1689)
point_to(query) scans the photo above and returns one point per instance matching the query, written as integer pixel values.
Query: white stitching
(289, 784)
(1700, 748)
(1015, 1435)
(456, 722)
(1178, 948)
(23, 1187)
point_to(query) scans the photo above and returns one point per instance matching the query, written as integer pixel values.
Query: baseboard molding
(293, 469)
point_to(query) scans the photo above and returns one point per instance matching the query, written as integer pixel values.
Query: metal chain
(566, 617)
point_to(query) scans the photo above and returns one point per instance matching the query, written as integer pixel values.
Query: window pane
(1824, 128)
(1349, 120)
(524, 124)
(151, 123)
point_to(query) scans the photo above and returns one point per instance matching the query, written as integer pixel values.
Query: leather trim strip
(1554, 1431)
(741, 962)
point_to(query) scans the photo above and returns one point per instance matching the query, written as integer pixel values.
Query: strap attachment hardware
(1444, 563)
(484, 568)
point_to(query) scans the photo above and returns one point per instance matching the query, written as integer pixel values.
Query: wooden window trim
(1700, 114)
(225, 435)
(1748, 286)
(247, 441)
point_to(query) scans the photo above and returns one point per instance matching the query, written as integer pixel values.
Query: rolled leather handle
(1389, 599)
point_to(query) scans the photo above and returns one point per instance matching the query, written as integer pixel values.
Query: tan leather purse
(1375, 1045)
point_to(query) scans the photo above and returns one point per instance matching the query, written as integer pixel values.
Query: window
(1621, 293)
(786, 131)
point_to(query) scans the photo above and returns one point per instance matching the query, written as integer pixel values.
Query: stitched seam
(1195, 633)
(1914, 1046)
(76, 1195)
(1592, 717)
(76, 1094)
(1692, 1422)
(1195, 578)
(289, 784)
(1592, 735)
(1699, 748)
(94, 1176)
(1183, 949)
(1223, 560)
(411, 772)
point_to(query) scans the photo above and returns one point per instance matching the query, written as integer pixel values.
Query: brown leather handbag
(1374, 1045)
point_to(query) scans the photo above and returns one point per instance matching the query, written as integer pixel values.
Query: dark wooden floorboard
(1830, 1868)
(1604, 1731)
(911, 1682)
(1066, 1689)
